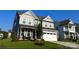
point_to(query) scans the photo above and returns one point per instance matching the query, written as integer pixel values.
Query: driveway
(68, 44)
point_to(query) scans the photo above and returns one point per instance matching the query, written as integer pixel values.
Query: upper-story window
(51, 33)
(47, 18)
(66, 27)
(24, 21)
(48, 33)
(50, 25)
(29, 22)
(54, 33)
(70, 26)
(44, 33)
(45, 24)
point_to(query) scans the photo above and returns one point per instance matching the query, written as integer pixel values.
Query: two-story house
(25, 24)
(67, 29)
(77, 30)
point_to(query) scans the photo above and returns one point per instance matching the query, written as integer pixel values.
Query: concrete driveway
(68, 44)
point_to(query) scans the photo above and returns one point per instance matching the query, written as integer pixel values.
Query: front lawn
(6, 43)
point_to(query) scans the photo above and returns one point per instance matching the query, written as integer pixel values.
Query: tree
(13, 36)
(39, 31)
(5, 35)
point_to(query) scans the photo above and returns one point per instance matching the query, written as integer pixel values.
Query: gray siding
(61, 33)
(16, 24)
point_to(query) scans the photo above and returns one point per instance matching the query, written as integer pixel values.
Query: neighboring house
(9, 34)
(77, 30)
(67, 29)
(1, 35)
(25, 24)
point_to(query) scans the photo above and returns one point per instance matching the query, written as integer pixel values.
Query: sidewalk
(68, 44)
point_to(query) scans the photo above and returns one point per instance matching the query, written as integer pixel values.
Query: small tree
(5, 35)
(39, 30)
(13, 36)
(39, 34)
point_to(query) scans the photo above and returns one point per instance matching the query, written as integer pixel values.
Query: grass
(7, 44)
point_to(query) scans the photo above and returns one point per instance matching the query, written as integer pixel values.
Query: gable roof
(77, 25)
(34, 15)
(65, 22)
(41, 17)
(27, 12)
(48, 18)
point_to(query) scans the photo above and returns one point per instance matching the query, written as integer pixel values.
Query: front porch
(69, 35)
(27, 34)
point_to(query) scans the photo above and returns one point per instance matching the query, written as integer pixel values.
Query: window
(66, 26)
(29, 22)
(54, 33)
(50, 26)
(48, 18)
(44, 33)
(70, 26)
(48, 33)
(45, 24)
(24, 22)
(51, 33)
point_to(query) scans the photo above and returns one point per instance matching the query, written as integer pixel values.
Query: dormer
(48, 18)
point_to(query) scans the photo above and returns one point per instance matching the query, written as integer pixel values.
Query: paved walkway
(68, 44)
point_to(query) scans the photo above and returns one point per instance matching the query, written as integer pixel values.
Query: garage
(50, 36)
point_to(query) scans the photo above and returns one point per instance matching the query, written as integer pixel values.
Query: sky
(7, 16)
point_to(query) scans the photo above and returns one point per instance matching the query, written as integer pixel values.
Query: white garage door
(50, 36)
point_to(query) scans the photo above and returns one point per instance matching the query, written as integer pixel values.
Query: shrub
(39, 42)
(5, 35)
(77, 41)
(74, 40)
(13, 36)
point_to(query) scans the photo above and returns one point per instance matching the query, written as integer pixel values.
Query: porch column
(26, 34)
(75, 36)
(68, 31)
(65, 36)
(69, 35)
(35, 35)
(31, 34)
(18, 33)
